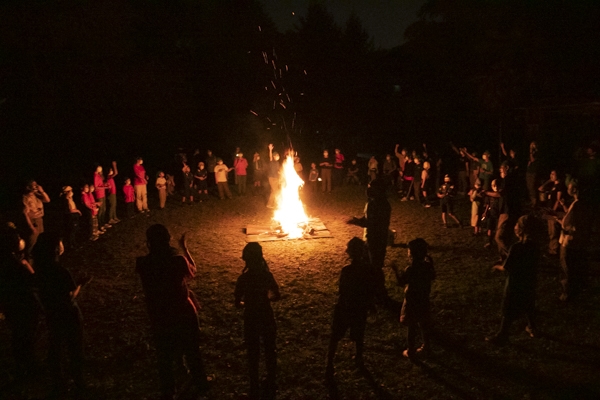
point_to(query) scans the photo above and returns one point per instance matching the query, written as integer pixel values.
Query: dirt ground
(563, 364)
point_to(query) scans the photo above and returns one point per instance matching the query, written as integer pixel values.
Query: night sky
(385, 20)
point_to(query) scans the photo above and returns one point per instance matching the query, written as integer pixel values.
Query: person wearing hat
(417, 279)
(71, 215)
(255, 289)
(172, 308)
(356, 294)
(519, 291)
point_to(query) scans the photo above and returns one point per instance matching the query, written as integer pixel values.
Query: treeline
(83, 80)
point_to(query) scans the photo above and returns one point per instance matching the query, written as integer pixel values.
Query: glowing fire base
(314, 229)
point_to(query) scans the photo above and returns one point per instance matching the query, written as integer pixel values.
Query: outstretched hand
(271, 147)
(183, 241)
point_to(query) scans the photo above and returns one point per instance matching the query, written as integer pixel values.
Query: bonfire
(289, 215)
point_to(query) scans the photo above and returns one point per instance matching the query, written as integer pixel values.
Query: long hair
(253, 256)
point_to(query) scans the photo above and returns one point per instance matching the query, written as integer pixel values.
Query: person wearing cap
(71, 216)
(255, 289)
(519, 291)
(356, 295)
(417, 279)
(172, 308)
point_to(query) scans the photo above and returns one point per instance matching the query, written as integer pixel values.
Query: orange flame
(290, 212)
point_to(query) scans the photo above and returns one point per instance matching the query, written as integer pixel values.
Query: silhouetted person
(255, 289)
(58, 293)
(376, 222)
(519, 291)
(18, 302)
(446, 195)
(171, 308)
(417, 278)
(356, 295)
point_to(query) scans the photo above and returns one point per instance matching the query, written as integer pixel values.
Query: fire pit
(289, 220)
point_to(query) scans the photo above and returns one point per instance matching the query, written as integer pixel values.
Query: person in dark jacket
(255, 289)
(356, 294)
(519, 291)
(415, 313)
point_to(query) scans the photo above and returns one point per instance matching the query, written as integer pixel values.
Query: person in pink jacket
(140, 180)
(241, 165)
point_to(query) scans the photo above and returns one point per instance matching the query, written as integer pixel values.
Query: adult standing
(18, 301)
(58, 293)
(240, 165)
(326, 166)
(338, 168)
(33, 209)
(140, 182)
(376, 222)
(171, 307)
(576, 230)
(273, 173)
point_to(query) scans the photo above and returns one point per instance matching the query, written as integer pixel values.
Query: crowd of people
(507, 205)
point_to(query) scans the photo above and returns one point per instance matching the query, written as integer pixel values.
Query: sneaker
(106, 226)
(427, 205)
(411, 198)
(487, 246)
(94, 238)
(404, 199)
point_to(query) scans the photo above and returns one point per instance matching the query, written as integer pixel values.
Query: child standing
(71, 217)
(491, 213)
(129, 194)
(255, 289)
(188, 184)
(161, 185)
(87, 199)
(258, 174)
(519, 292)
(352, 174)
(446, 195)
(417, 278)
(201, 176)
(356, 294)
(476, 197)
(313, 177)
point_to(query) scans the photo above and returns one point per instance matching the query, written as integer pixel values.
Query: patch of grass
(563, 364)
